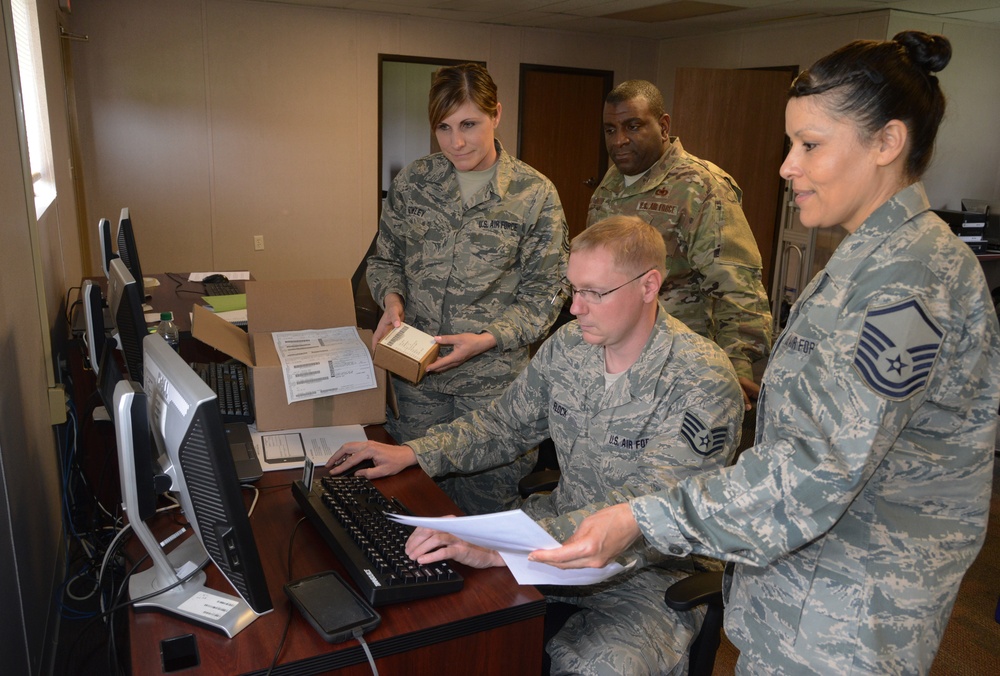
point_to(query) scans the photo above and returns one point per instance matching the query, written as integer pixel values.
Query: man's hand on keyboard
(429, 546)
(385, 459)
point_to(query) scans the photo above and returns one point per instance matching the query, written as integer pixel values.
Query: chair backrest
(367, 310)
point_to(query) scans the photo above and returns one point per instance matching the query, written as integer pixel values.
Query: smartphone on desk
(333, 608)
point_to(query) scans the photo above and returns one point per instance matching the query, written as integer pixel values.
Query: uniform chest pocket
(494, 242)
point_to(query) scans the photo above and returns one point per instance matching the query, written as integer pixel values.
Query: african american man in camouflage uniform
(713, 278)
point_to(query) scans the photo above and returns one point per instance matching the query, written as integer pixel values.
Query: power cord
(358, 634)
(288, 619)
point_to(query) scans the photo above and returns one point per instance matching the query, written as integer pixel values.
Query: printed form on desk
(323, 362)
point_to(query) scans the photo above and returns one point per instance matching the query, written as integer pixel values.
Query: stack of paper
(513, 535)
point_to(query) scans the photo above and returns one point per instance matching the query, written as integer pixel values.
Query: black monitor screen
(125, 300)
(144, 466)
(128, 251)
(94, 333)
(107, 244)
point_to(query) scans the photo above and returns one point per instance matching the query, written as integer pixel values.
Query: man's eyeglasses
(592, 297)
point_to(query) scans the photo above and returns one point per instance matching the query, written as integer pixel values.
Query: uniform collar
(614, 181)
(882, 224)
(642, 378)
(443, 173)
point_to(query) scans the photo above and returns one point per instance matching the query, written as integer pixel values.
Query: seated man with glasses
(634, 401)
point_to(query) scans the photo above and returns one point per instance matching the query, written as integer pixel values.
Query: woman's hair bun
(930, 52)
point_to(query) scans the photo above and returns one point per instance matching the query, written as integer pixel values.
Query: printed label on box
(409, 341)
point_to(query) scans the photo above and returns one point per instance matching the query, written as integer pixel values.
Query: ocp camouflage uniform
(866, 497)
(491, 264)
(676, 412)
(713, 281)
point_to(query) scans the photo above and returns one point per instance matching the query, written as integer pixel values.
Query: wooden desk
(492, 626)
(175, 294)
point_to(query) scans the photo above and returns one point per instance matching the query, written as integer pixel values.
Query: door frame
(402, 58)
(607, 82)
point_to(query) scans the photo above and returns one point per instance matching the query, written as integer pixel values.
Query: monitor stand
(191, 599)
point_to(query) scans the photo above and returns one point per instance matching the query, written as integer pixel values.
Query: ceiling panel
(595, 16)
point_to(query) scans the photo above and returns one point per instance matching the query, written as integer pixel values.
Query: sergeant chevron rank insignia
(701, 439)
(897, 348)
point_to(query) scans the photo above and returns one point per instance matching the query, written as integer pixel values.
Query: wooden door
(560, 115)
(736, 119)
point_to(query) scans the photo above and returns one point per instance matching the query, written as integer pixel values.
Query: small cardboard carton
(406, 351)
(292, 306)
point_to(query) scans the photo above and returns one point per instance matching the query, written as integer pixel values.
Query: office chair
(700, 588)
(367, 310)
(705, 588)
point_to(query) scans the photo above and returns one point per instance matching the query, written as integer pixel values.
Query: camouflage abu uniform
(866, 497)
(676, 412)
(713, 282)
(491, 264)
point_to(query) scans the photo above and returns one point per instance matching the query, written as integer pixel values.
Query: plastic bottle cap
(166, 316)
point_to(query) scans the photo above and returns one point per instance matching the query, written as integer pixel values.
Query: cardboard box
(292, 306)
(406, 351)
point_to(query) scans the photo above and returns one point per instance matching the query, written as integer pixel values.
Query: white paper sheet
(513, 535)
(323, 362)
(318, 443)
(231, 275)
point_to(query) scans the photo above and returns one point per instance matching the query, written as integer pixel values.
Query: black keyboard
(349, 513)
(230, 381)
(226, 288)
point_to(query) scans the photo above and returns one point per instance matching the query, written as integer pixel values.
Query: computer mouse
(364, 464)
(215, 279)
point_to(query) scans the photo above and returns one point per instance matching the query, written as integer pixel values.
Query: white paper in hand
(513, 535)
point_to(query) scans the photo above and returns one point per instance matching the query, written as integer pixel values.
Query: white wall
(217, 120)
(967, 156)
(32, 269)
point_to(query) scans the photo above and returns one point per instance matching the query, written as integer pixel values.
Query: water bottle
(169, 330)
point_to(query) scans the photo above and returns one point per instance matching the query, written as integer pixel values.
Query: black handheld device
(333, 608)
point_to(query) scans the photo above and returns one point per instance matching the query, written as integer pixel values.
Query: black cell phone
(179, 652)
(332, 607)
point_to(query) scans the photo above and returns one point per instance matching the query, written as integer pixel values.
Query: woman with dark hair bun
(865, 498)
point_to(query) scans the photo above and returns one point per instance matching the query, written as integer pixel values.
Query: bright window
(36, 112)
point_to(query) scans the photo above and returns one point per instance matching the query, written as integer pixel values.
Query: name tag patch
(702, 439)
(658, 207)
(626, 443)
(559, 410)
(796, 343)
(897, 348)
(504, 226)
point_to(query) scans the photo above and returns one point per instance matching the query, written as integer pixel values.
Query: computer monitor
(104, 233)
(94, 333)
(128, 251)
(980, 206)
(141, 477)
(125, 301)
(188, 433)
